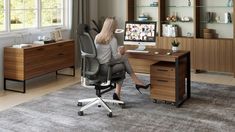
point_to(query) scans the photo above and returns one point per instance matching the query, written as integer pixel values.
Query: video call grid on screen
(140, 31)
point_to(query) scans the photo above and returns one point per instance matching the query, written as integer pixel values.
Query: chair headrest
(83, 28)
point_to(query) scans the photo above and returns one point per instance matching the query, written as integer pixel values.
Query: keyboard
(137, 51)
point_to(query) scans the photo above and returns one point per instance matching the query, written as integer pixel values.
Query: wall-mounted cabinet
(205, 27)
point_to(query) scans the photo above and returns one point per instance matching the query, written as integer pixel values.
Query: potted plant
(175, 46)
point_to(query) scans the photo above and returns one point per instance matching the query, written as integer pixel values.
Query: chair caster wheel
(79, 104)
(110, 114)
(80, 113)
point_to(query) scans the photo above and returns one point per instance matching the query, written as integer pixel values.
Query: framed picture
(56, 35)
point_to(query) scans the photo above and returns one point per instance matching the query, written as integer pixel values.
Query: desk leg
(188, 76)
(177, 82)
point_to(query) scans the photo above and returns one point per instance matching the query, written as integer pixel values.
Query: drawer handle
(60, 44)
(40, 49)
(60, 54)
(162, 70)
(162, 80)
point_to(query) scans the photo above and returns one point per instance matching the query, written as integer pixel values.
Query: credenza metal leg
(24, 85)
(4, 84)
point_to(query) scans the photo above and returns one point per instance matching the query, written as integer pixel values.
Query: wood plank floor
(49, 83)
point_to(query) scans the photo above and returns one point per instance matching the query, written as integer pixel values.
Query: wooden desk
(177, 58)
(21, 64)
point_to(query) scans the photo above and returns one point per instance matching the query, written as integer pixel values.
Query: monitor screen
(140, 32)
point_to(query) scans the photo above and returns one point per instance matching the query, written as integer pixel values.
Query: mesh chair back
(88, 51)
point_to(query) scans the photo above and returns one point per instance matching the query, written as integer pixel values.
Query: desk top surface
(158, 54)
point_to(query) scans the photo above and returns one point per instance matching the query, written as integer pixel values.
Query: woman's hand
(121, 50)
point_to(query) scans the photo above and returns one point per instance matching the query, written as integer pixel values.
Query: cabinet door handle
(162, 80)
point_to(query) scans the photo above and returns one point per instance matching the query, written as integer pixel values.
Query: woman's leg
(118, 89)
(130, 71)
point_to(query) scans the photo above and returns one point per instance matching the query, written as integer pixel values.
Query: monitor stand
(141, 47)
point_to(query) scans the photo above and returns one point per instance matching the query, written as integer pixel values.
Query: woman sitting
(108, 50)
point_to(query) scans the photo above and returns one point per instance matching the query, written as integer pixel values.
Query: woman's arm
(116, 52)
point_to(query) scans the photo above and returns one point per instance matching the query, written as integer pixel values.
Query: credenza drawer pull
(162, 70)
(60, 45)
(40, 49)
(60, 54)
(162, 80)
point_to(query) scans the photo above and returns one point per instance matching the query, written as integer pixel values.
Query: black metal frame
(179, 102)
(24, 81)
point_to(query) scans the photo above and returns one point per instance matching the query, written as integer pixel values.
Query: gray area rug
(211, 109)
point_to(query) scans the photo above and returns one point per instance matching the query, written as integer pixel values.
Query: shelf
(191, 37)
(147, 21)
(216, 23)
(142, 6)
(180, 6)
(215, 38)
(177, 22)
(214, 7)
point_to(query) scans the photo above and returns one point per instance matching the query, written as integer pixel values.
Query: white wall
(114, 8)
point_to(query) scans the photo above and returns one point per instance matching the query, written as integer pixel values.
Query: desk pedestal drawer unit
(163, 81)
(21, 64)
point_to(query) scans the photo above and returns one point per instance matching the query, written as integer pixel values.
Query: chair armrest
(88, 55)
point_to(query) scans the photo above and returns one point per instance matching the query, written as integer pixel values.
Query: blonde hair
(107, 32)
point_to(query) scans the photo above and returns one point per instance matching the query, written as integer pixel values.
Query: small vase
(175, 49)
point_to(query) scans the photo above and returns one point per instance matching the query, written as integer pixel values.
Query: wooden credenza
(21, 64)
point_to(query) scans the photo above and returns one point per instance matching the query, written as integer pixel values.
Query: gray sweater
(107, 52)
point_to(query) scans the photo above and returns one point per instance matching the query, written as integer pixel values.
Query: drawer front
(156, 81)
(48, 58)
(64, 55)
(163, 72)
(163, 93)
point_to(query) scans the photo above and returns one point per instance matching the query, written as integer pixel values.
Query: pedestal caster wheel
(80, 113)
(110, 114)
(79, 104)
(154, 101)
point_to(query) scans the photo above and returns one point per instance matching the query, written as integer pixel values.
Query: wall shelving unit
(208, 36)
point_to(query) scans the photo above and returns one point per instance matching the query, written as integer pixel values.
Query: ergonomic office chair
(96, 28)
(91, 75)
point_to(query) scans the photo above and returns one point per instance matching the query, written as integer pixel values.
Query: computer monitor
(140, 33)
